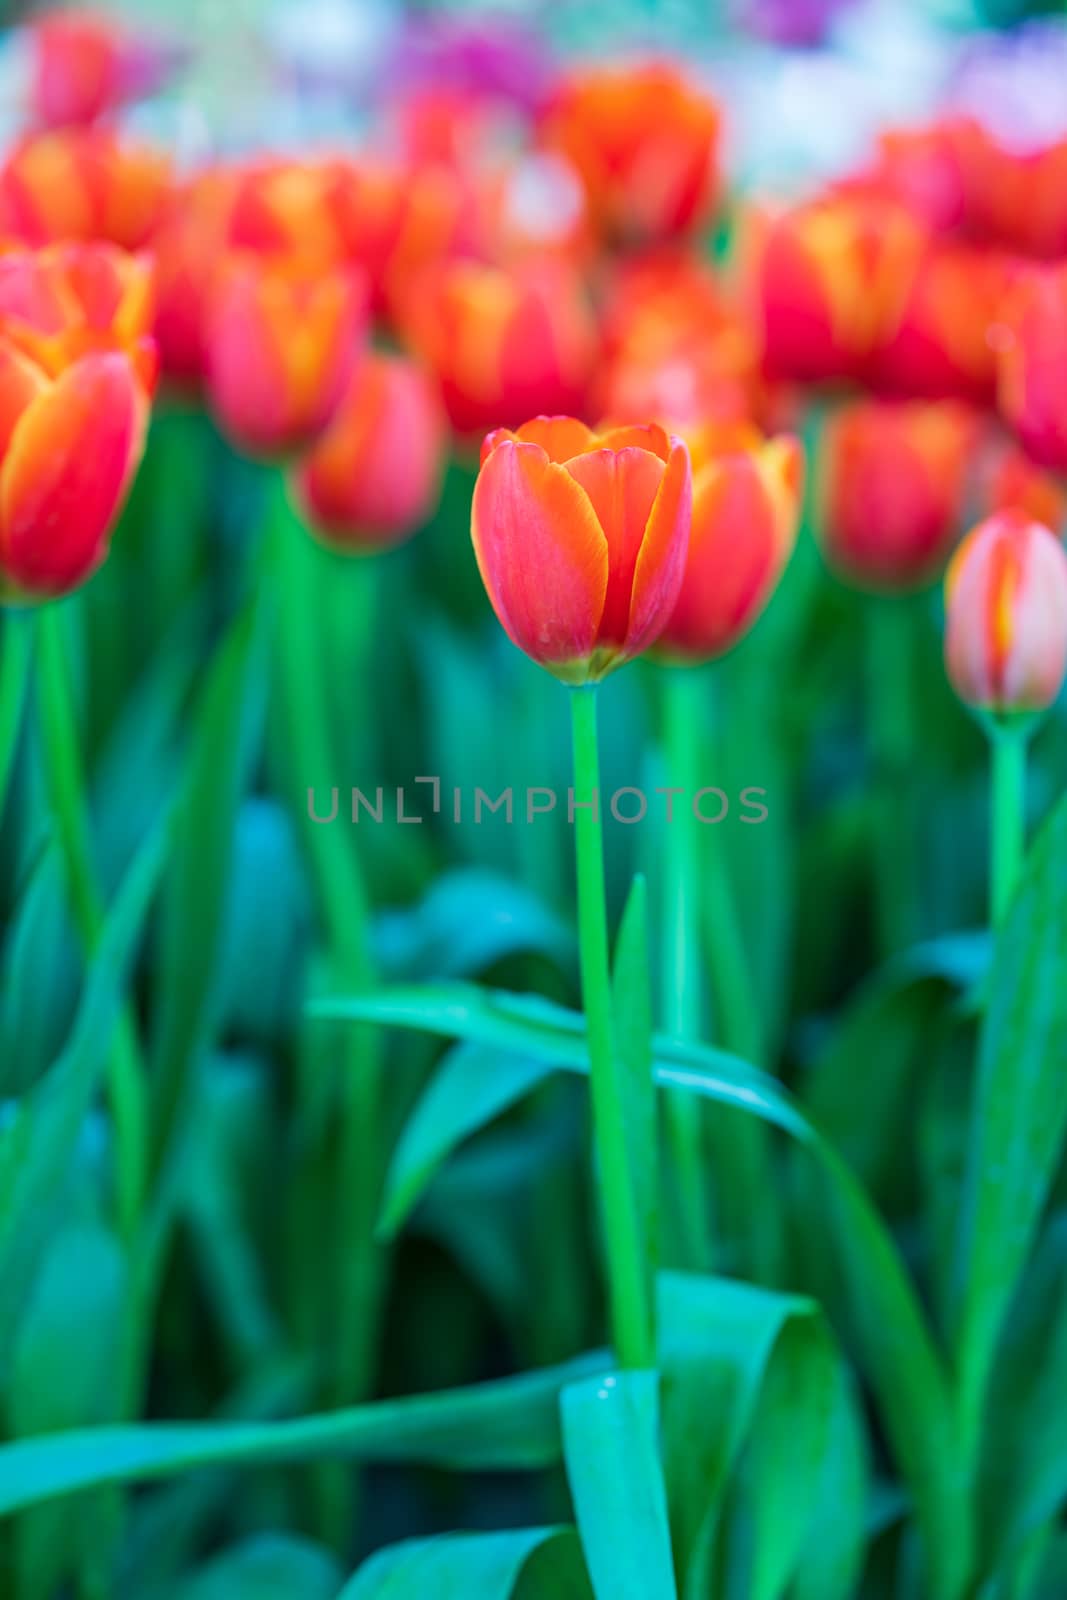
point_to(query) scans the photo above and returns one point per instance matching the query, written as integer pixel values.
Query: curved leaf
(534, 1564)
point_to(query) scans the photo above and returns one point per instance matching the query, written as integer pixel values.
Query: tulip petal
(559, 437)
(622, 486)
(541, 552)
(21, 381)
(661, 561)
(70, 462)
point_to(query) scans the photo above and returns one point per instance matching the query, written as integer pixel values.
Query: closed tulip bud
(503, 344)
(746, 510)
(581, 540)
(69, 447)
(645, 143)
(373, 477)
(834, 278)
(83, 183)
(59, 304)
(1032, 364)
(893, 480)
(1006, 615)
(282, 343)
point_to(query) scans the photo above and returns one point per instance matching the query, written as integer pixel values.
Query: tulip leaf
(534, 1564)
(612, 1452)
(1019, 1111)
(15, 656)
(268, 1566)
(511, 1424)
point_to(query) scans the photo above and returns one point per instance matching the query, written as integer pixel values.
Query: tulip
(398, 219)
(373, 477)
(1014, 482)
(834, 278)
(188, 245)
(1032, 364)
(1019, 199)
(581, 540)
(1006, 615)
(892, 489)
(83, 183)
(746, 510)
(64, 302)
(502, 344)
(644, 142)
(69, 447)
(934, 170)
(288, 208)
(282, 343)
(943, 346)
(84, 66)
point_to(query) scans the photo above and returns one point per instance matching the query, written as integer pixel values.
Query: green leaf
(632, 1006)
(832, 1558)
(270, 1566)
(1019, 1113)
(39, 1133)
(15, 654)
(38, 977)
(508, 1425)
(611, 1448)
(534, 1564)
(469, 919)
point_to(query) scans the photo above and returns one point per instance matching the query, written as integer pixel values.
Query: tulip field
(533, 802)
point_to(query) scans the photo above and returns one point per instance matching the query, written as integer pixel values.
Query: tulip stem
(1008, 831)
(893, 823)
(66, 785)
(15, 651)
(631, 1317)
(683, 709)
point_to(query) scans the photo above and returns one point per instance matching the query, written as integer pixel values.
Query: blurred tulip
(288, 207)
(834, 278)
(746, 510)
(83, 183)
(61, 303)
(85, 66)
(943, 346)
(503, 344)
(188, 246)
(1014, 482)
(374, 476)
(1019, 198)
(1006, 615)
(893, 480)
(933, 170)
(69, 447)
(282, 343)
(646, 145)
(1032, 363)
(396, 219)
(581, 540)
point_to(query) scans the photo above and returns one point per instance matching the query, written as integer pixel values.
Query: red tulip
(746, 509)
(581, 540)
(893, 478)
(1006, 611)
(944, 344)
(85, 66)
(1015, 483)
(373, 477)
(1032, 363)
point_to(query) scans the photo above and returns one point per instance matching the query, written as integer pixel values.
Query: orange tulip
(581, 540)
(282, 342)
(397, 219)
(943, 346)
(746, 510)
(834, 278)
(645, 143)
(1019, 199)
(281, 207)
(69, 447)
(892, 489)
(1032, 363)
(1006, 615)
(188, 246)
(63, 302)
(85, 66)
(374, 476)
(503, 344)
(83, 183)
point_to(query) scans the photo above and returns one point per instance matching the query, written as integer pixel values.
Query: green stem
(892, 747)
(631, 1318)
(683, 710)
(1008, 830)
(67, 791)
(15, 649)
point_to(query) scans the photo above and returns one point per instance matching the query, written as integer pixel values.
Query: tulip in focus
(893, 480)
(1006, 615)
(503, 344)
(83, 183)
(746, 510)
(1032, 364)
(581, 540)
(645, 143)
(373, 477)
(282, 343)
(85, 66)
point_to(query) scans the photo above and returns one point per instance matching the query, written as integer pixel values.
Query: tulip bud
(282, 342)
(373, 477)
(746, 510)
(645, 144)
(1006, 611)
(69, 448)
(502, 344)
(893, 479)
(581, 540)
(1032, 363)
